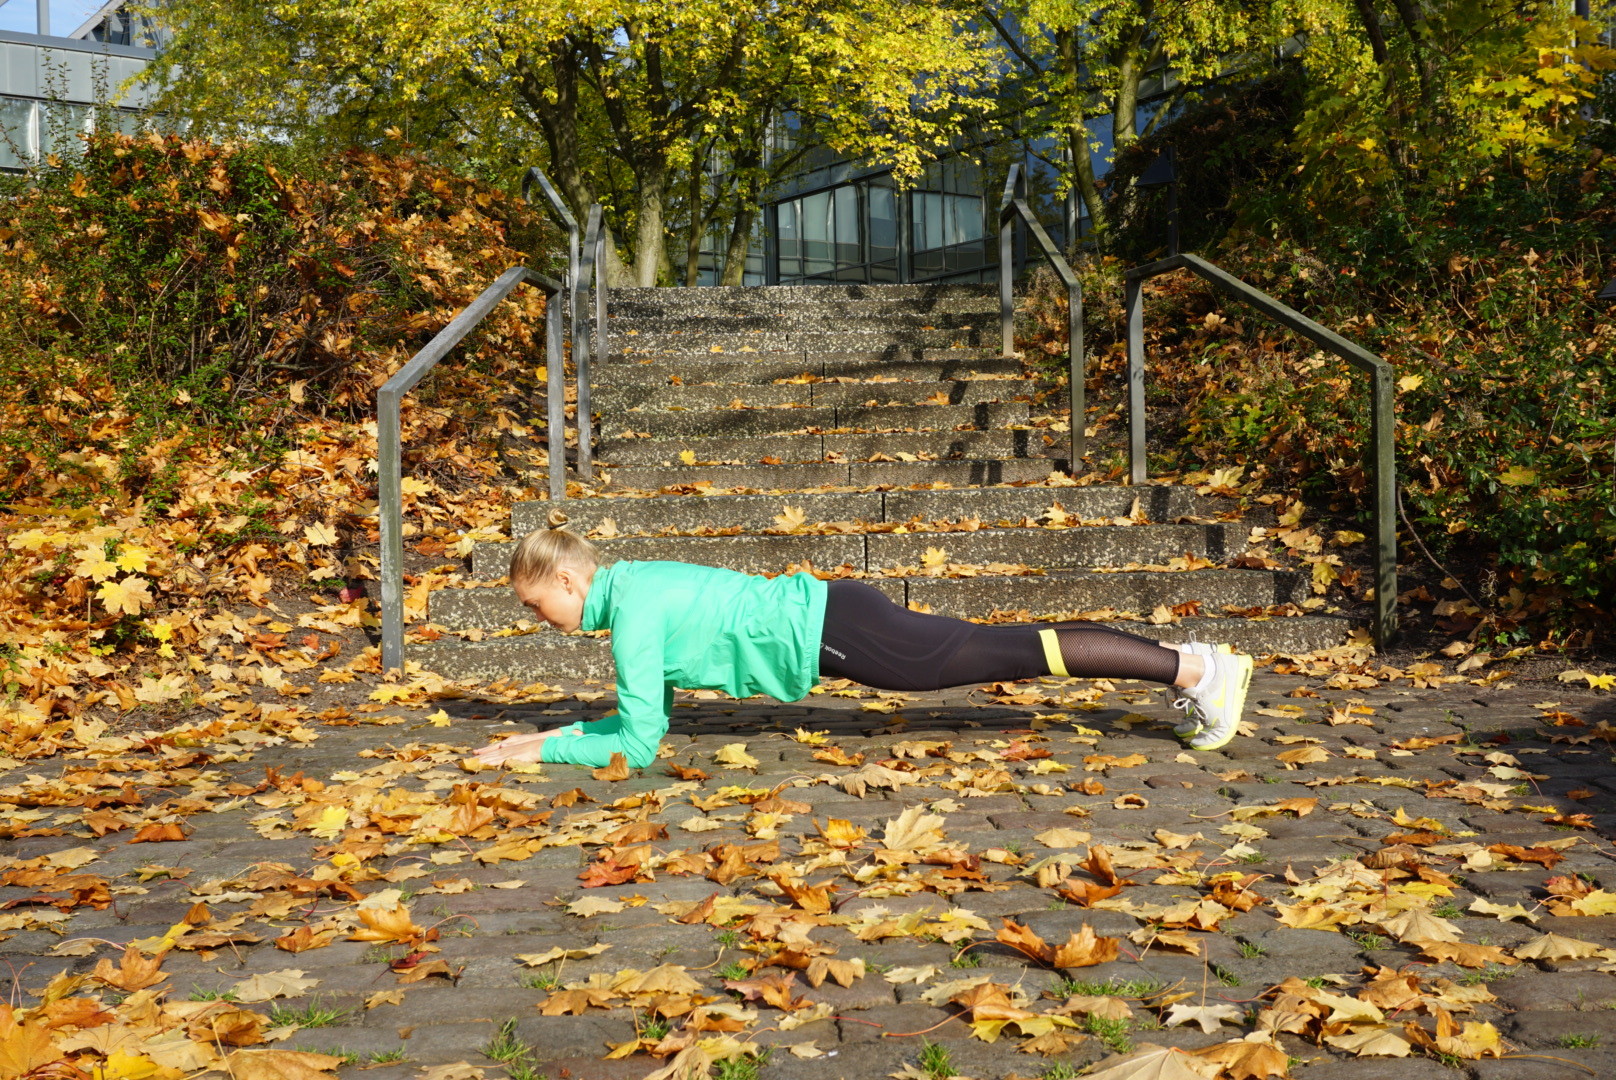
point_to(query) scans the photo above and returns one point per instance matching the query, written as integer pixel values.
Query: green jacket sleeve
(644, 703)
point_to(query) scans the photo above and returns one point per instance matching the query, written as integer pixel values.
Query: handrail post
(556, 395)
(1383, 424)
(1007, 274)
(601, 345)
(390, 509)
(1076, 375)
(590, 268)
(1382, 405)
(1134, 308)
(389, 437)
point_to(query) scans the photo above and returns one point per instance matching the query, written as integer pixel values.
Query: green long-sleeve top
(699, 627)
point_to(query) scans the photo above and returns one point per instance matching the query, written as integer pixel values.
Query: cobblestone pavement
(488, 913)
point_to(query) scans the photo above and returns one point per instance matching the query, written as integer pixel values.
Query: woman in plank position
(702, 627)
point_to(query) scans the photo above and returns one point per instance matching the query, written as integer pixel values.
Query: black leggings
(871, 640)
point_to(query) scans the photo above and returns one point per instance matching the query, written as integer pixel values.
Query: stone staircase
(871, 428)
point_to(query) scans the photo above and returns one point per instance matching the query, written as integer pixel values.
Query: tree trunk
(694, 230)
(1371, 21)
(650, 242)
(740, 242)
(1068, 51)
(1131, 63)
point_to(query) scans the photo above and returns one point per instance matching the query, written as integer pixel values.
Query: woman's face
(558, 599)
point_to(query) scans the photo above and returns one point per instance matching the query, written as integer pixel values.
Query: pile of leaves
(190, 338)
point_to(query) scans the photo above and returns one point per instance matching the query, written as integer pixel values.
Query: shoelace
(1188, 707)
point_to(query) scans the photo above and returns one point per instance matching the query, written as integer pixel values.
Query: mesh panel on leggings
(1099, 652)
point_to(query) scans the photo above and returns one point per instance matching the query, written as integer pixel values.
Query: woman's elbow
(639, 758)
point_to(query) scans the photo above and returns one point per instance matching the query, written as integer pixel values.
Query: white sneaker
(1222, 701)
(1193, 721)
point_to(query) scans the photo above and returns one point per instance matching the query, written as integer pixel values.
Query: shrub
(153, 288)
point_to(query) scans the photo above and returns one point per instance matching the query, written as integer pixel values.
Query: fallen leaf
(1208, 1017)
(273, 984)
(281, 1065)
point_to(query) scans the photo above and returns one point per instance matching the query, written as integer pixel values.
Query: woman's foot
(1194, 721)
(1220, 698)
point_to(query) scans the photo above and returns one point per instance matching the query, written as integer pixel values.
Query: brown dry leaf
(134, 972)
(304, 938)
(776, 990)
(1557, 947)
(273, 984)
(811, 898)
(843, 972)
(1252, 1058)
(281, 1065)
(1085, 893)
(230, 1026)
(1149, 1062)
(1475, 1042)
(1417, 924)
(24, 1046)
(387, 925)
(1470, 956)
(617, 770)
(1082, 948)
(576, 1002)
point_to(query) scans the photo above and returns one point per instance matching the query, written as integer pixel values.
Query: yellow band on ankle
(1052, 653)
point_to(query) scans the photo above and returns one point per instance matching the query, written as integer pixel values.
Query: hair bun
(556, 519)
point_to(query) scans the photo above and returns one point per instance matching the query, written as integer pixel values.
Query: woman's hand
(517, 748)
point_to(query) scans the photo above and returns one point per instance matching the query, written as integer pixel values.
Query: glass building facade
(830, 222)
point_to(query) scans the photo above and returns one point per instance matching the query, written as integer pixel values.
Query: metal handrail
(535, 175)
(1013, 207)
(1382, 404)
(389, 454)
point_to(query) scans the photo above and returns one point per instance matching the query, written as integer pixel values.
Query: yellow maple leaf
(391, 692)
(687, 456)
(1517, 476)
(934, 557)
(439, 719)
(1410, 382)
(94, 564)
(1602, 682)
(811, 738)
(121, 1065)
(129, 596)
(134, 559)
(735, 754)
(320, 534)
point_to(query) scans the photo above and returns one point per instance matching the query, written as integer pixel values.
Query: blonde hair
(539, 552)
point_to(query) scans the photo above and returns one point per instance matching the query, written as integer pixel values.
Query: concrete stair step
(753, 513)
(1026, 442)
(743, 423)
(773, 341)
(1078, 548)
(800, 295)
(620, 398)
(831, 318)
(1059, 590)
(857, 474)
(547, 656)
(767, 367)
(979, 307)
